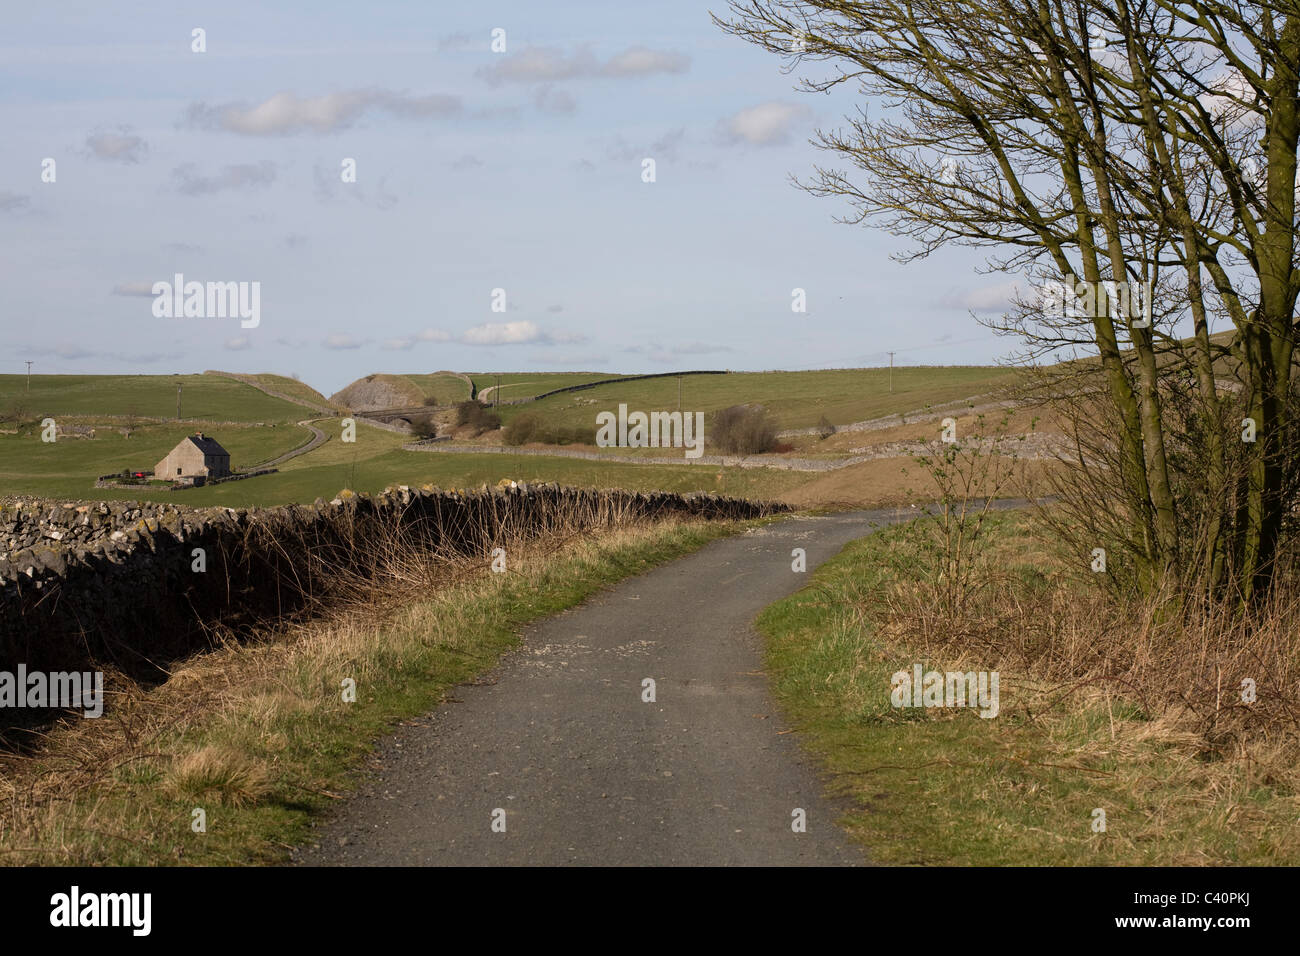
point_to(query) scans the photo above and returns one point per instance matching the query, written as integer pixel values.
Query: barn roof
(209, 446)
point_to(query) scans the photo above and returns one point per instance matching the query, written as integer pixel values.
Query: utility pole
(29, 377)
(891, 373)
(179, 386)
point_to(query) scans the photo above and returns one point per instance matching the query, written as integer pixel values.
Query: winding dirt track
(318, 438)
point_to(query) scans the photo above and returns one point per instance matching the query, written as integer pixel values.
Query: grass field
(795, 399)
(446, 388)
(293, 388)
(516, 385)
(208, 397)
(68, 467)
(943, 786)
(376, 460)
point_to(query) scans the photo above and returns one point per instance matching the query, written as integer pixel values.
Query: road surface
(586, 773)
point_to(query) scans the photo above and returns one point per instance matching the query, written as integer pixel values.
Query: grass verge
(259, 736)
(943, 786)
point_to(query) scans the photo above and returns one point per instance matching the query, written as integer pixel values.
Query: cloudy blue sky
(476, 171)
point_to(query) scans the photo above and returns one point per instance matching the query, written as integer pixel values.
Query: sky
(500, 218)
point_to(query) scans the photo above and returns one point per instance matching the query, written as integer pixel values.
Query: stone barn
(196, 455)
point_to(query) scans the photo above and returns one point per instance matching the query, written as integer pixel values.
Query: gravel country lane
(558, 737)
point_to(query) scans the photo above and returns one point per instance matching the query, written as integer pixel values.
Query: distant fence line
(610, 381)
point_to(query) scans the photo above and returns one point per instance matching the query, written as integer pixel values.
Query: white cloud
(639, 61)
(238, 343)
(238, 176)
(551, 100)
(549, 64)
(767, 124)
(665, 147)
(12, 202)
(671, 354)
(72, 351)
(995, 298)
(522, 332)
(330, 187)
(341, 340)
(119, 146)
(1229, 92)
(502, 333)
(563, 338)
(539, 64)
(403, 343)
(287, 113)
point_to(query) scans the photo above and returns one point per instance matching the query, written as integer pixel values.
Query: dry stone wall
(115, 583)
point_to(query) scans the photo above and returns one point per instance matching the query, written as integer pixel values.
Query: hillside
(283, 386)
(379, 391)
(133, 418)
(516, 385)
(795, 399)
(203, 397)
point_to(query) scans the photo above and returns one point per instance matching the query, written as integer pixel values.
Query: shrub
(424, 427)
(824, 428)
(531, 427)
(430, 401)
(522, 429)
(573, 435)
(743, 430)
(15, 412)
(478, 416)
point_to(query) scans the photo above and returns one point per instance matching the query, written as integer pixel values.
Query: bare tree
(1144, 152)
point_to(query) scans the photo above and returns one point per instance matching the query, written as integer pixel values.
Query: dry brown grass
(243, 726)
(1120, 684)
(1132, 708)
(219, 774)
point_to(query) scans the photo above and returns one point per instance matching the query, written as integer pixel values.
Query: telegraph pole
(891, 373)
(179, 386)
(29, 377)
